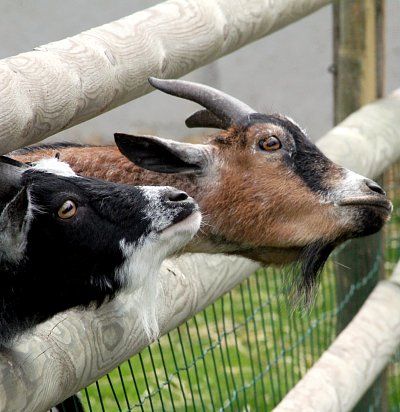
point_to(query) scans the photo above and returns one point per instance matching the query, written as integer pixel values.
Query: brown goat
(266, 191)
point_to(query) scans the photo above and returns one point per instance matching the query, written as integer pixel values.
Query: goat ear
(163, 155)
(14, 224)
(10, 178)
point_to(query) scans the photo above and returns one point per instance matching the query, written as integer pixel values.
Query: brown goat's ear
(163, 155)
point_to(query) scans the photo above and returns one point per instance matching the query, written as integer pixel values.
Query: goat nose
(374, 187)
(175, 195)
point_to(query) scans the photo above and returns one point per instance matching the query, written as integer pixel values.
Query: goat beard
(306, 271)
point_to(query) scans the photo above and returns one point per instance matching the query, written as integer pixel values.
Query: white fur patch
(53, 165)
(352, 178)
(140, 273)
(142, 264)
(351, 184)
(160, 215)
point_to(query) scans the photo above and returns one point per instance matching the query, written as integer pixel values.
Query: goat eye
(270, 143)
(67, 210)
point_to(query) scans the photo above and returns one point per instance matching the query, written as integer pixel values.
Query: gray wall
(285, 72)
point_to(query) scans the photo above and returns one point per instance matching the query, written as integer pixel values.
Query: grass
(246, 351)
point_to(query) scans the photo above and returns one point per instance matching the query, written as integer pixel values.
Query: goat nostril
(375, 187)
(176, 196)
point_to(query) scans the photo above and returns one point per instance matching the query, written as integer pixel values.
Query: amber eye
(270, 143)
(67, 210)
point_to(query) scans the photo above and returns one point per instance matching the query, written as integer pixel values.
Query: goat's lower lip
(367, 201)
(187, 214)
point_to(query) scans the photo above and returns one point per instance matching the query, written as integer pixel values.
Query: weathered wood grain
(356, 51)
(64, 83)
(73, 349)
(358, 355)
(67, 82)
(368, 141)
(77, 347)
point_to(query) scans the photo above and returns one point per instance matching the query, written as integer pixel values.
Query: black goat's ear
(14, 225)
(163, 155)
(10, 180)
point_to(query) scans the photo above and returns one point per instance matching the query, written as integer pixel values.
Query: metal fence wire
(249, 348)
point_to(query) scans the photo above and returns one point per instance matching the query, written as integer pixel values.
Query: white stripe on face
(350, 184)
(53, 165)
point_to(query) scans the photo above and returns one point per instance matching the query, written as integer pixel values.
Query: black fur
(70, 262)
(306, 272)
(152, 155)
(307, 161)
(48, 264)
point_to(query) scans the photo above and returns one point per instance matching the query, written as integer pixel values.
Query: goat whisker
(336, 262)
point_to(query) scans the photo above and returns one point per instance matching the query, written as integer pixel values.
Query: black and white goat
(69, 241)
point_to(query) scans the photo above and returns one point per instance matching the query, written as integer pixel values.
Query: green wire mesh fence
(249, 348)
(392, 255)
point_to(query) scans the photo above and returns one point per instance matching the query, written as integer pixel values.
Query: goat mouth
(379, 203)
(188, 220)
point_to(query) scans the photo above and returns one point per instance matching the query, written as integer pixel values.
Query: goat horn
(204, 118)
(228, 109)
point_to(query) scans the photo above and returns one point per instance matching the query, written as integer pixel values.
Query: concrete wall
(286, 72)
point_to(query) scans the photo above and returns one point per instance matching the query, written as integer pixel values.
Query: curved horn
(228, 109)
(204, 118)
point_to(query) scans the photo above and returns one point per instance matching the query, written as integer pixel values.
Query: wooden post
(359, 59)
(356, 83)
(359, 79)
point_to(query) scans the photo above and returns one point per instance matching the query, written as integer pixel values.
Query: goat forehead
(50, 191)
(257, 126)
(277, 120)
(49, 182)
(55, 166)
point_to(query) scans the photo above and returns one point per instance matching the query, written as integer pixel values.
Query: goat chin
(139, 273)
(141, 268)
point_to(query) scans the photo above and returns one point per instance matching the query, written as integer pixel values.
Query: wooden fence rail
(67, 82)
(355, 359)
(74, 349)
(64, 83)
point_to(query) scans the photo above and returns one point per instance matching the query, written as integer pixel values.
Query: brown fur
(254, 205)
